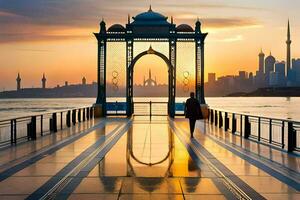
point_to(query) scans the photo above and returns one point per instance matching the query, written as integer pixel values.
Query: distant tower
(269, 66)
(44, 82)
(18, 82)
(288, 49)
(261, 57)
(83, 81)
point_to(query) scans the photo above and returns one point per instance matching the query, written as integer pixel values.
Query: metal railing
(31, 127)
(148, 108)
(282, 133)
(151, 108)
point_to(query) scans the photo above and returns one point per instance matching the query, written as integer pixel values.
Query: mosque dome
(270, 59)
(150, 17)
(184, 28)
(116, 28)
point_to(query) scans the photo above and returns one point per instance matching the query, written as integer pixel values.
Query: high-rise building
(18, 82)
(280, 74)
(261, 60)
(288, 50)
(211, 78)
(243, 75)
(44, 81)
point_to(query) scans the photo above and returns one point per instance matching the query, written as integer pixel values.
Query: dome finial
(150, 50)
(150, 8)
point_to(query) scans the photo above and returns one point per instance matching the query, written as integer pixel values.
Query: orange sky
(58, 39)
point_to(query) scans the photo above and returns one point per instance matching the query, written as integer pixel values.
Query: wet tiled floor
(144, 160)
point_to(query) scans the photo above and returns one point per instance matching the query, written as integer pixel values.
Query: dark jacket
(192, 109)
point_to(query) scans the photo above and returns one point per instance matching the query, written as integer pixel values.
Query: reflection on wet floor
(148, 150)
(150, 162)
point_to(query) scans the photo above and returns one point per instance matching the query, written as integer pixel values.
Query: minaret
(83, 81)
(288, 50)
(44, 81)
(18, 82)
(261, 57)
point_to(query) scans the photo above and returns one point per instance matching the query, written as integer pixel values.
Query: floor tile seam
(255, 156)
(266, 147)
(74, 136)
(267, 169)
(48, 184)
(250, 191)
(222, 187)
(40, 156)
(250, 140)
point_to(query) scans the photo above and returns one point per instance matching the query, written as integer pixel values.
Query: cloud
(27, 20)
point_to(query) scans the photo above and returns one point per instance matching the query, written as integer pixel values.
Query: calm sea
(279, 107)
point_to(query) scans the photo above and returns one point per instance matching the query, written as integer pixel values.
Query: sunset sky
(56, 36)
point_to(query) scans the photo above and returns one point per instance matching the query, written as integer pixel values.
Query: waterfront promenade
(139, 158)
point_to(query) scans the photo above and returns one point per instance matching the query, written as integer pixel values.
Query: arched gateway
(149, 26)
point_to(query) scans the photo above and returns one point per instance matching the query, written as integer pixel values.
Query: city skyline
(44, 50)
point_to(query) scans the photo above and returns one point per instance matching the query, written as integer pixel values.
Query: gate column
(199, 79)
(172, 77)
(100, 106)
(129, 77)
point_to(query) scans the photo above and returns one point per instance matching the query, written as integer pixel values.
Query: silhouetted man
(192, 111)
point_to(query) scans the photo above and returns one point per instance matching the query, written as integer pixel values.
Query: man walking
(192, 111)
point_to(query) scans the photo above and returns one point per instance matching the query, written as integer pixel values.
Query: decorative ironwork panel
(162, 47)
(185, 70)
(116, 72)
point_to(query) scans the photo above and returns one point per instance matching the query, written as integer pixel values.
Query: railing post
(220, 119)
(88, 113)
(247, 127)
(12, 131)
(150, 109)
(91, 112)
(79, 115)
(83, 114)
(33, 128)
(270, 131)
(291, 137)
(211, 116)
(226, 127)
(42, 125)
(54, 122)
(61, 120)
(15, 131)
(259, 129)
(68, 118)
(233, 123)
(74, 117)
(241, 125)
(216, 118)
(282, 134)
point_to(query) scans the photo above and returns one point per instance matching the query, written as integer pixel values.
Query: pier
(127, 149)
(149, 157)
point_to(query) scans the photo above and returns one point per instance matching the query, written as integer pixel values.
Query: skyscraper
(44, 81)
(261, 58)
(18, 82)
(288, 50)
